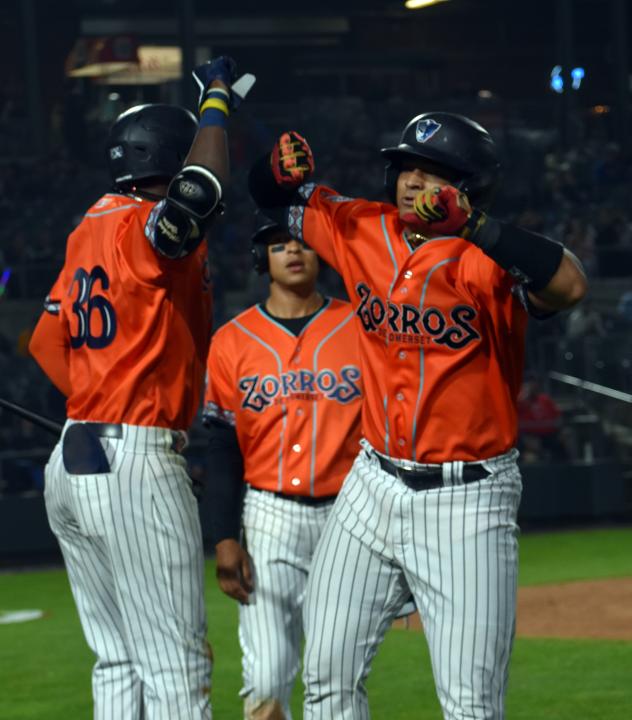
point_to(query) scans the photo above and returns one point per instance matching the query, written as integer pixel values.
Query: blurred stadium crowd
(577, 195)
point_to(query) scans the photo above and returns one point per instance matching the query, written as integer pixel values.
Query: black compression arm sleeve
(531, 258)
(225, 488)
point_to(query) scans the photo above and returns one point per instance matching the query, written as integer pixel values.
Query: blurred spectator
(610, 167)
(585, 321)
(613, 227)
(624, 308)
(540, 424)
(579, 237)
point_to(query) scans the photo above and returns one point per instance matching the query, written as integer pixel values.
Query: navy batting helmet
(451, 146)
(149, 141)
(259, 242)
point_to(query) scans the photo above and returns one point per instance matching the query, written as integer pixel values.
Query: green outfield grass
(45, 665)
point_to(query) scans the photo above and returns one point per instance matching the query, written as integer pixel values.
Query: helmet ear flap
(259, 252)
(259, 246)
(480, 189)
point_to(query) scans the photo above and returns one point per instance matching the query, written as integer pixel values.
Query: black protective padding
(530, 257)
(196, 191)
(225, 487)
(176, 234)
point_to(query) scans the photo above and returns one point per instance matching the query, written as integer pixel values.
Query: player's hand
(217, 73)
(443, 210)
(234, 570)
(292, 160)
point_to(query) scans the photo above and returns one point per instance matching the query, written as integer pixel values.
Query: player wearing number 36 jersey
(113, 274)
(125, 337)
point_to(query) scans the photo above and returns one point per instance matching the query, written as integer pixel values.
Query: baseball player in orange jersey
(441, 292)
(283, 403)
(125, 337)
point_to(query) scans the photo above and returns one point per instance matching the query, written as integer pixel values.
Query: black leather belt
(429, 478)
(106, 430)
(307, 499)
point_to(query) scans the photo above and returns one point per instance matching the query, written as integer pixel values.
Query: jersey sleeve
(324, 220)
(220, 392)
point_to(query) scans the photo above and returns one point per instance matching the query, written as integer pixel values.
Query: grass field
(45, 664)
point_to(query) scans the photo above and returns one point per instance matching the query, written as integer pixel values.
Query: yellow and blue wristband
(214, 109)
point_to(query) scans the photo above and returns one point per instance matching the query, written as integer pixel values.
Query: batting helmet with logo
(149, 141)
(450, 146)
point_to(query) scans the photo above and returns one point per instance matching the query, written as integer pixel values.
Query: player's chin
(297, 277)
(302, 282)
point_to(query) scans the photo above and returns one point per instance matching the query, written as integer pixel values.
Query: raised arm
(195, 195)
(276, 177)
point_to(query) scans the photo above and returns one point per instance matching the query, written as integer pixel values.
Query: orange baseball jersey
(442, 331)
(139, 324)
(294, 400)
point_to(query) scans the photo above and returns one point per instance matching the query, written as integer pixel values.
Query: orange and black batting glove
(291, 160)
(443, 210)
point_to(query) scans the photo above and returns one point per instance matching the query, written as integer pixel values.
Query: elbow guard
(196, 191)
(177, 223)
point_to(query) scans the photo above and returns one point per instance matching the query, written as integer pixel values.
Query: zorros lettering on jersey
(261, 391)
(399, 322)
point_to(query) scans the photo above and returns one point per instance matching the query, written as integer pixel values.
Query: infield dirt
(589, 609)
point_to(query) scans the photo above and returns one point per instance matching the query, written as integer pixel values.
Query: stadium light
(577, 74)
(557, 81)
(418, 4)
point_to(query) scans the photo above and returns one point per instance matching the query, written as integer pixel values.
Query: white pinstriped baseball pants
(281, 536)
(132, 545)
(455, 547)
